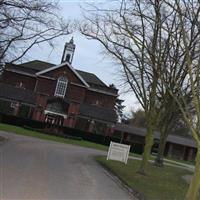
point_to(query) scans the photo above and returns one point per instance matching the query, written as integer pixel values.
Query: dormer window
(61, 87)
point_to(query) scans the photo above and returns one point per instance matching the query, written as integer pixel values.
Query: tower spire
(72, 40)
(68, 51)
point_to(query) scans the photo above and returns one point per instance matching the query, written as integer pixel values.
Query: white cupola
(68, 52)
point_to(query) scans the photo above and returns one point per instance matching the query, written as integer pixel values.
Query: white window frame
(14, 104)
(62, 82)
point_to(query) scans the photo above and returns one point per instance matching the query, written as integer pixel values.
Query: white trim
(11, 100)
(97, 120)
(103, 92)
(14, 104)
(19, 72)
(54, 113)
(65, 88)
(61, 65)
(46, 77)
(76, 84)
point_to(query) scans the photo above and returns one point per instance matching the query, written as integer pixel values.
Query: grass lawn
(26, 132)
(161, 183)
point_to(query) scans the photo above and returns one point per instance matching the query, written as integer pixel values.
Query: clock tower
(68, 52)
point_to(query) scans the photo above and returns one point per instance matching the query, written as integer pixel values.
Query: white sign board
(118, 152)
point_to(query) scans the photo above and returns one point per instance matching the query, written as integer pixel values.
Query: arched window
(68, 58)
(61, 86)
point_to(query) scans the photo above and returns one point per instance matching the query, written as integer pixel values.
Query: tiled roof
(96, 112)
(31, 67)
(20, 68)
(181, 140)
(10, 92)
(35, 66)
(91, 78)
(176, 139)
(95, 82)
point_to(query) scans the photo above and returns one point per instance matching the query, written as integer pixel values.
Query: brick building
(62, 95)
(58, 94)
(181, 147)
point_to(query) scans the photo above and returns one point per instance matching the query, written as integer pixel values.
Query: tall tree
(188, 13)
(119, 107)
(130, 35)
(25, 23)
(172, 77)
(138, 118)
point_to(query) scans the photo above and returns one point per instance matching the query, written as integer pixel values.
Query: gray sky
(88, 56)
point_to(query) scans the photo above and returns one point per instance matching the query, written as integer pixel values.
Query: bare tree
(137, 118)
(157, 43)
(131, 35)
(25, 23)
(188, 12)
(170, 116)
(172, 77)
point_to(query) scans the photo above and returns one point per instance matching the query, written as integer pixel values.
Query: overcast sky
(88, 56)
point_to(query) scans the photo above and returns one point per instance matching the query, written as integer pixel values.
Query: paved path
(170, 163)
(31, 168)
(188, 166)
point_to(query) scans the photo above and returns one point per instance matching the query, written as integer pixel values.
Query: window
(61, 87)
(14, 105)
(20, 85)
(68, 58)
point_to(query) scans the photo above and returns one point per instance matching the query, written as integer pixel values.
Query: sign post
(118, 152)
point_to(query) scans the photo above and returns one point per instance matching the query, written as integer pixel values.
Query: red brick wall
(46, 86)
(75, 93)
(38, 113)
(73, 108)
(15, 79)
(99, 99)
(66, 71)
(72, 112)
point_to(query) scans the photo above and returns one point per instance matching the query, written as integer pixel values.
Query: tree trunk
(193, 191)
(147, 150)
(159, 158)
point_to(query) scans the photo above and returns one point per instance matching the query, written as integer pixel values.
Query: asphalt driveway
(31, 168)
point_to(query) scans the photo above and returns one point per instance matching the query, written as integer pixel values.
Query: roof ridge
(37, 61)
(61, 65)
(84, 71)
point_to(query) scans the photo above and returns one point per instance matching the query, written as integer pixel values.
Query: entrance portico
(56, 111)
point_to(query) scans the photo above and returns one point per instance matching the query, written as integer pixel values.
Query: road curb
(4, 140)
(132, 192)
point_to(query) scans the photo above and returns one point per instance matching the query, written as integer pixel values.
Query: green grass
(26, 132)
(83, 143)
(160, 184)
